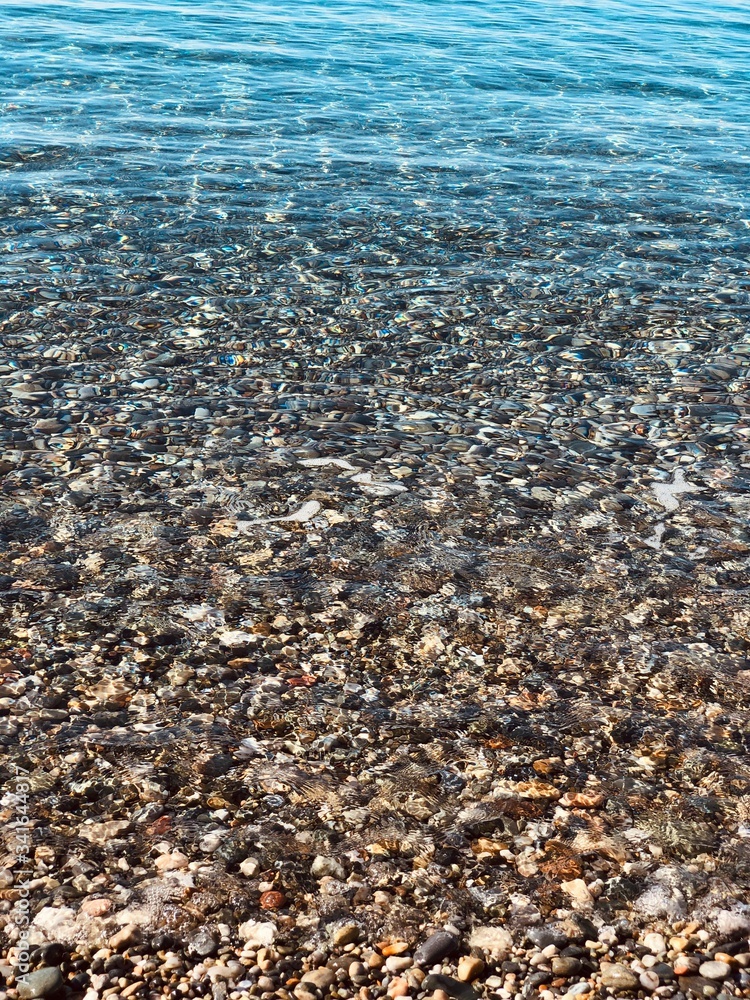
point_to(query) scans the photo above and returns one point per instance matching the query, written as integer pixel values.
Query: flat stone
(39, 983)
(649, 980)
(305, 991)
(399, 963)
(398, 988)
(715, 970)
(618, 978)
(537, 979)
(322, 979)
(578, 891)
(698, 986)
(578, 989)
(664, 971)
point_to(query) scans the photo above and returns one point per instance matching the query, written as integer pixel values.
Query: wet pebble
(40, 983)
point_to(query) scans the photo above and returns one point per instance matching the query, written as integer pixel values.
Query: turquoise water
(557, 146)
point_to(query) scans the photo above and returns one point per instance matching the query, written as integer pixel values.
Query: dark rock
(542, 937)
(574, 951)
(435, 948)
(663, 971)
(734, 947)
(538, 979)
(163, 941)
(453, 987)
(204, 941)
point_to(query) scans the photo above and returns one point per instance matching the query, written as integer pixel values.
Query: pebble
(617, 978)
(129, 935)
(204, 941)
(578, 989)
(649, 980)
(470, 968)
(320, 978)
(545, 936)
(250, 867)
(344, 935)
(565, 965)
(319, 602)
(686, 965)
(715, 970)
(258, 933)
(435, 948)
(398, 987)
(655, 943)
(323, 866)
(453, 987)
(398, 963)
(40, 983)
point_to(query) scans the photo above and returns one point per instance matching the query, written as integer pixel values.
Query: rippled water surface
(557, 144)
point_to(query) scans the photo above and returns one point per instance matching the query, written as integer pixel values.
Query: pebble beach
(374, 549)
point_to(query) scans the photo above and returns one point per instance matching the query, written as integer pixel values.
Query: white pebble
(649, 980)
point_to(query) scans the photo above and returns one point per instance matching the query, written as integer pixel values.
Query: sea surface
(543, 148)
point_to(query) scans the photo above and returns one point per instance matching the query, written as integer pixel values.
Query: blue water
(539, 147)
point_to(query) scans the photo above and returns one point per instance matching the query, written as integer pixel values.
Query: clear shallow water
(560, 146)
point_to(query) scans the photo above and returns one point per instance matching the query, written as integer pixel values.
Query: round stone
(655, 943)
(649, 980)
(715, 970)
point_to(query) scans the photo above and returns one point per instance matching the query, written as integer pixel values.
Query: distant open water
(537, 147)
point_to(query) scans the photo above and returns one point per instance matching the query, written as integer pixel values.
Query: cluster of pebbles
(386, 648)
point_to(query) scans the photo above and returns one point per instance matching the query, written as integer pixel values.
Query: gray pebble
(204, 942)
(40, 983)
(435, 948)
(715, 970)
(449, 985)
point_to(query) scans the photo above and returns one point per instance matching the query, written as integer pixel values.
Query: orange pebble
(272, 900)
